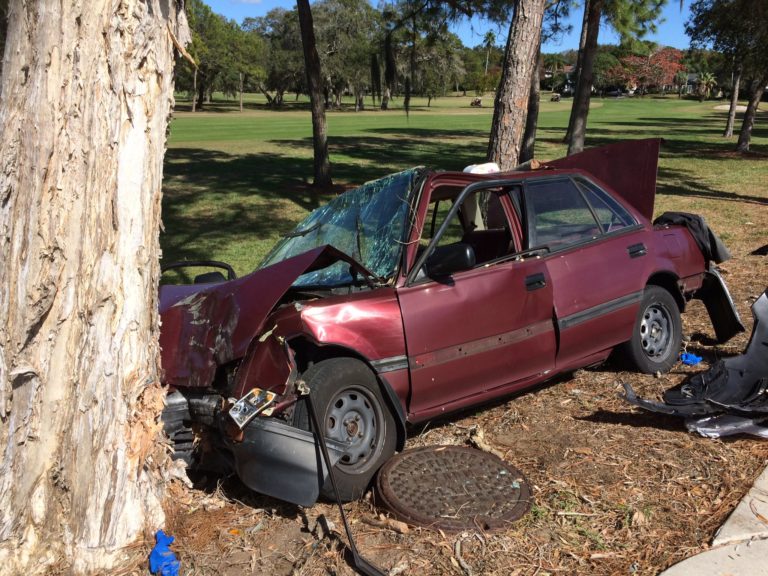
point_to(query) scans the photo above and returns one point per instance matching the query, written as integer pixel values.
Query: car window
(438, 212)
(479, 222)
(612, 215)
(558, 214)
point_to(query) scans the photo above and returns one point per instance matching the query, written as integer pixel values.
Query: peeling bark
(510, 106)
(87, 95)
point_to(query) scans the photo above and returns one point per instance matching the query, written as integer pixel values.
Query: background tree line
(355, 43)
(406, 48)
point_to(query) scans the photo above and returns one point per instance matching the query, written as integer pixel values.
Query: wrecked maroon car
(424, 293)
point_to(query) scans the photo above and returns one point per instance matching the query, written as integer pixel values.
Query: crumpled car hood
(207, 325)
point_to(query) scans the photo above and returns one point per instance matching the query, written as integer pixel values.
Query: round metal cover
(453, 488)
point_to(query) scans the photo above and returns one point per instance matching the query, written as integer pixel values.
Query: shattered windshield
(366, 223)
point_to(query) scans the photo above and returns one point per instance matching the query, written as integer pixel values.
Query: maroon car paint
(439, 344)
(366, 324)
(480, 332)
(206, 326)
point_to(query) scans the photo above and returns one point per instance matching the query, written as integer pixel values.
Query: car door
(473, 330)
(596, 262)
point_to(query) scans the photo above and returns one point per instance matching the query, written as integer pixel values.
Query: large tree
(87, 91)
(511, 104)
(322, 163)
(739, 30)
(284, 60)
(346, 33)
(631, 19)
(211, 48)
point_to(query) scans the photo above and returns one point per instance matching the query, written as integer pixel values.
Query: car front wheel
(351, 410)
(657, 333)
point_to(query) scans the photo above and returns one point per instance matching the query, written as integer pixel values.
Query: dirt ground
(615, 490)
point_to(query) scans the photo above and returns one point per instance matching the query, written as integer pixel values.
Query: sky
(671, 32)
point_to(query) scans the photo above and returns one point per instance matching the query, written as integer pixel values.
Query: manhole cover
(453, 488)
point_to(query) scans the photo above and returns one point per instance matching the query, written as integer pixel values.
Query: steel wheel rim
(353, 418)
(656, 331)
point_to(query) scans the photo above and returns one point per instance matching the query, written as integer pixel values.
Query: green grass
(235, 181)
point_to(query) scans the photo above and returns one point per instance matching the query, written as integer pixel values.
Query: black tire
(657, 334)
(348, 399)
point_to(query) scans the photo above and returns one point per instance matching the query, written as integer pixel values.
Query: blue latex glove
(162, 560)
(690, 359)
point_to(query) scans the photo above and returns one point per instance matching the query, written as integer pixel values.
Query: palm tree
(707, 82)
(489, 40)
(554, 63)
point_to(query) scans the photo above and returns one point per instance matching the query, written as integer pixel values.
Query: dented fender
(269, 364)
(207, 325)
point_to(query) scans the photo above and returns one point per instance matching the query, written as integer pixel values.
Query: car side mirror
(451, 258)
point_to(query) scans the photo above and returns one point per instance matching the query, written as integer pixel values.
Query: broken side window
(480, 222)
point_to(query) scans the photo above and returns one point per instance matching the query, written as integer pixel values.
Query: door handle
(637, 250)
(535, 281)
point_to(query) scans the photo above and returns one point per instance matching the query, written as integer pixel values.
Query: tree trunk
(270, 100)
(375, 79)
(576, 72)
(511, 101)
(201, 91)
(87, 96)
(756, 93)
(728, 132)
(385, 99)
(581, 98)
(532, 119)
(194, 90)
(322, 165)
(241, 91)
(407, 98)
(390, 70)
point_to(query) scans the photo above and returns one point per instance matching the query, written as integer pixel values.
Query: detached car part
(729, 398)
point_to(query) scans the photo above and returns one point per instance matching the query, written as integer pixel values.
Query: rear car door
(476, 329)
(596, 258)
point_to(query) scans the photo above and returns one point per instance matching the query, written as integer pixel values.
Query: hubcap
(352, 419)
(656, 331)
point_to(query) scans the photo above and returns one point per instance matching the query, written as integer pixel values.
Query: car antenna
(360, 564)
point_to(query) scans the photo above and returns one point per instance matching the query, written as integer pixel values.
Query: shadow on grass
(222, 198)
(209, 198)
(689, 187)
(212, 198)
(440, 149)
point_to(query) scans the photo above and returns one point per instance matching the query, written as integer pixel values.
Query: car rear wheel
(350, 407)
(657, 334)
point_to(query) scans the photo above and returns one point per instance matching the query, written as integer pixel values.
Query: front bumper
(282, 461)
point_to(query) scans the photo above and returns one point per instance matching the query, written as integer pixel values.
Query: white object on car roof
(487, 168)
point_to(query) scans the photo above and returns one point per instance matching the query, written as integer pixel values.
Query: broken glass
(367, 223)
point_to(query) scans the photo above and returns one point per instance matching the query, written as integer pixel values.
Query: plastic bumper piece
(282, 461)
